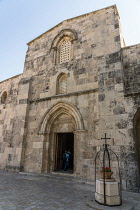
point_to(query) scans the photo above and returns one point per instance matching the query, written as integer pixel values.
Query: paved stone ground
(32, 192)
(19, 191)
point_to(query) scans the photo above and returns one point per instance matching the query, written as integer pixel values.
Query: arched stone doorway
(61, 120)
(137, 138)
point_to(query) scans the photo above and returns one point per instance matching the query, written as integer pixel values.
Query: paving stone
(31, 193)
(22, 192)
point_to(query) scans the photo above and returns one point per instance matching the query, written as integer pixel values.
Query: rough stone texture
(99, 99)
(131, 68)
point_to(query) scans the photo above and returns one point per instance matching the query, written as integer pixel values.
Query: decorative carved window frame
(58, 40)
(61, 79)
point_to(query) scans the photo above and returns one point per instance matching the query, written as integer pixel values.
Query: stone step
(94, 205)
(59, 176)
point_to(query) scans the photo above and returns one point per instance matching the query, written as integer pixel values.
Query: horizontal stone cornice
(65, 95)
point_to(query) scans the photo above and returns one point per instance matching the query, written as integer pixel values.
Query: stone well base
(112, 196)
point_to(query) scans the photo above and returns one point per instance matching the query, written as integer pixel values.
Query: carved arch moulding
(55, 111)
(62, 46)
(66, 32)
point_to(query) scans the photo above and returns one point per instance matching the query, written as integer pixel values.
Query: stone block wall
(98, 33)
(12, 126)
(131, 69)
(116, 114)
(131, 78)
(87, 104)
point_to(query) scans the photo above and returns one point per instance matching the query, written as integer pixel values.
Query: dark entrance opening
(64, 142)
(138, 146)
(137, 141)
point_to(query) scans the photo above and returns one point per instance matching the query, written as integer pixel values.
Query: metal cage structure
(104, 158)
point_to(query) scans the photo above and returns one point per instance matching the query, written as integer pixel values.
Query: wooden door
(138, 142)
(58, 158)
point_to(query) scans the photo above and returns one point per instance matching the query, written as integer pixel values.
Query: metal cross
(105, 138)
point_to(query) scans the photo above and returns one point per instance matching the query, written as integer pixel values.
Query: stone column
(79, 148)
(45, 156)
(55, 55)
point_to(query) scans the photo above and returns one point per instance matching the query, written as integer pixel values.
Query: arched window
(62, 46)
(61, 86)
(4, 97)
(65, 50)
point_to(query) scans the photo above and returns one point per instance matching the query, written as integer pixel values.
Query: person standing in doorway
(66, 162)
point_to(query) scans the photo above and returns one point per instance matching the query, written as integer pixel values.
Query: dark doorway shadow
(137, 140)
(64, 144)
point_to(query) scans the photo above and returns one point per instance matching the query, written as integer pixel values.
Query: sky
(23, 20)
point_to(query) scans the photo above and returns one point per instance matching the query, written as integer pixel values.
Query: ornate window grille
(65, 49)
(62, 46)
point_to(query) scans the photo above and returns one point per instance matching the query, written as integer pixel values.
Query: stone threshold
(94, 205)
(59, 176)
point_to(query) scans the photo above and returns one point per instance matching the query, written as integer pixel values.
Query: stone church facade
(80, 81)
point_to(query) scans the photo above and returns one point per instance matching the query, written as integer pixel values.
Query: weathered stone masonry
(99, 80)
